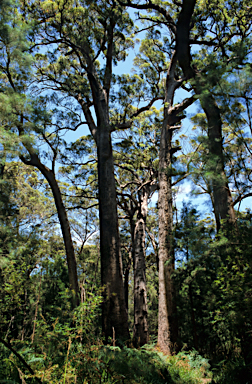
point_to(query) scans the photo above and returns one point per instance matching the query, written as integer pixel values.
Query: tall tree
(152, 64)
(81, 33)
(190, 23)
(137, 180)
(220, 54)
(24, 120)
(167, 327)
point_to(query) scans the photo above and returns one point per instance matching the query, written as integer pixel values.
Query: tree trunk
(65, 228)
(222, 198)
(126, 280)
(113, 308)
(167, 328)
(166, 310)
(114, 312)
(167, 318)
(64, 224)
(141, 334)
(194, 329)
(221, 193)
(127, 271)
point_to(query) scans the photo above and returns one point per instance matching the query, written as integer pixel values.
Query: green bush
(92, 364)
(234, 371)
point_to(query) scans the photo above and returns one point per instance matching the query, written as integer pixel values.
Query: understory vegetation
(59, 344)
(125, 191)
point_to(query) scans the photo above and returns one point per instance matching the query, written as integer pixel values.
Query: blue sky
(202, 202)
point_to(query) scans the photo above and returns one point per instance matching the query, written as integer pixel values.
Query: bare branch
(240, 198)
(155, 7)
(81, 207)
(146, 107)
(183, 105)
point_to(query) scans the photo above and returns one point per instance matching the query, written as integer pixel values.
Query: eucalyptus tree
(136, 175)
(232, 95)
(84, 40)
(26, 123)
(220, 44)
(24, 220)
(222, 32)
(227, 30)
(236, 151)
(166, 61)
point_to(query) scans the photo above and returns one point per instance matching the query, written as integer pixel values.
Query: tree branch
(240, 198)
(8, 345)
(155, 7)
(146, 107)
(183, 105)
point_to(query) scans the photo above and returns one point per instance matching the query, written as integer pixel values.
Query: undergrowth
(73, 353)
(93, 364)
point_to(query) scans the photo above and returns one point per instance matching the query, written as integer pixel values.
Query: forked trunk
(167, 329)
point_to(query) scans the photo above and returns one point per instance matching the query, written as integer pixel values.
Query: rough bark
(113, 308)
(167, 318)
(167, 322)
(222, 199)
(140, 333)
(167, 330)
(114, 312)
(221, 193)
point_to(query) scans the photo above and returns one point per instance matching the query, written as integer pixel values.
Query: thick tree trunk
(113, 308)
(167, 328)
(222, 198)
(114, 312)
(167, 318)
(141, 334)
(167, 333)
(221, 193)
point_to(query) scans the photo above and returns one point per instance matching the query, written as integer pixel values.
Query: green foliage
(104, 364)
(233, 371)
(213, 274)
(213, 283)
(45, 350)
(189, 367)
(149, 366)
